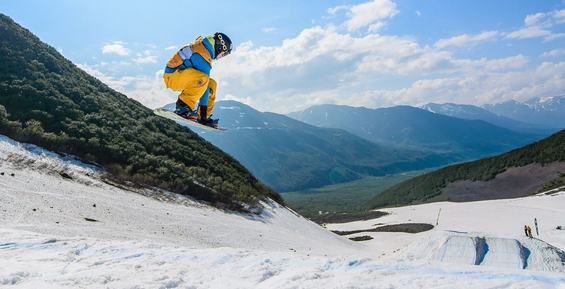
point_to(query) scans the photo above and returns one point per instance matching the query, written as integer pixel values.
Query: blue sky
(293, 54)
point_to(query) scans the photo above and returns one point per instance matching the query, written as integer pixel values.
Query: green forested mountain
(429, 187)
(46, 100)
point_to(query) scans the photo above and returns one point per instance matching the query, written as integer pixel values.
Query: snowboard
(183, 121)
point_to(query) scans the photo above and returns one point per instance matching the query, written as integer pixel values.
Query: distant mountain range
(417, 128)
(472, 112)
(291, 155)
(546, 111)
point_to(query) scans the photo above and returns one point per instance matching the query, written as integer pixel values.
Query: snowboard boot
(185, 111)
(209, 122)
(206, 120)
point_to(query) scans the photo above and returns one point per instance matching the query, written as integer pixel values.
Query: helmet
(223, 45)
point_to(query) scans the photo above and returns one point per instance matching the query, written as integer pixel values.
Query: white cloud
(172, 47)
(546, 20)
(151, 91)
(268, 29)
(479, 87)
(554, 36)
(117, 48)
(375, 27)
(244, 100)
(539, 25)
(328, 64)
(559, 16)
(475, 87)
(418, 13)
(529, 32)
(337, 9)
(533, 19)
(320, 66)
(466, 39)
(370, 14)
(484, 64)
(116, 84)
(148, 90)
(145, 57)
(337, 63)
(554, 53)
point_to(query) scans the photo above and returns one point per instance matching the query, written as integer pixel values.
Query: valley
(341, 202)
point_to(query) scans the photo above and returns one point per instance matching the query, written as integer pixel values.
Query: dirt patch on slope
(412, 228)
(513, 183)
(348, 217)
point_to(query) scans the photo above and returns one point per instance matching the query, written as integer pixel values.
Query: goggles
(225, 49)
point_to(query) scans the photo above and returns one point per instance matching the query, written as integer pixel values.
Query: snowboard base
(183, 121)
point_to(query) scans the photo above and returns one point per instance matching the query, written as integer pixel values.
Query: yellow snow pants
(192, 84)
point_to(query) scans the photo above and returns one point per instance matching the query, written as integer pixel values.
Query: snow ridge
(40, 261)
(490, 251)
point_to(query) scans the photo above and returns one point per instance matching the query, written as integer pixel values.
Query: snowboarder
(526, 230)
(536, 224)
(188, 71)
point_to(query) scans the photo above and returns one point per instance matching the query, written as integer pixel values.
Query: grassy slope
(428, 187)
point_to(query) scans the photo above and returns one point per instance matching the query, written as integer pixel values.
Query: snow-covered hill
(61, 226)
(47, 194)
(489, 233)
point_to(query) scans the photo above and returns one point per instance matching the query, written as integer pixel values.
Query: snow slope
(150, 239)
(464, 229)
(37, 198)
(39, 261)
